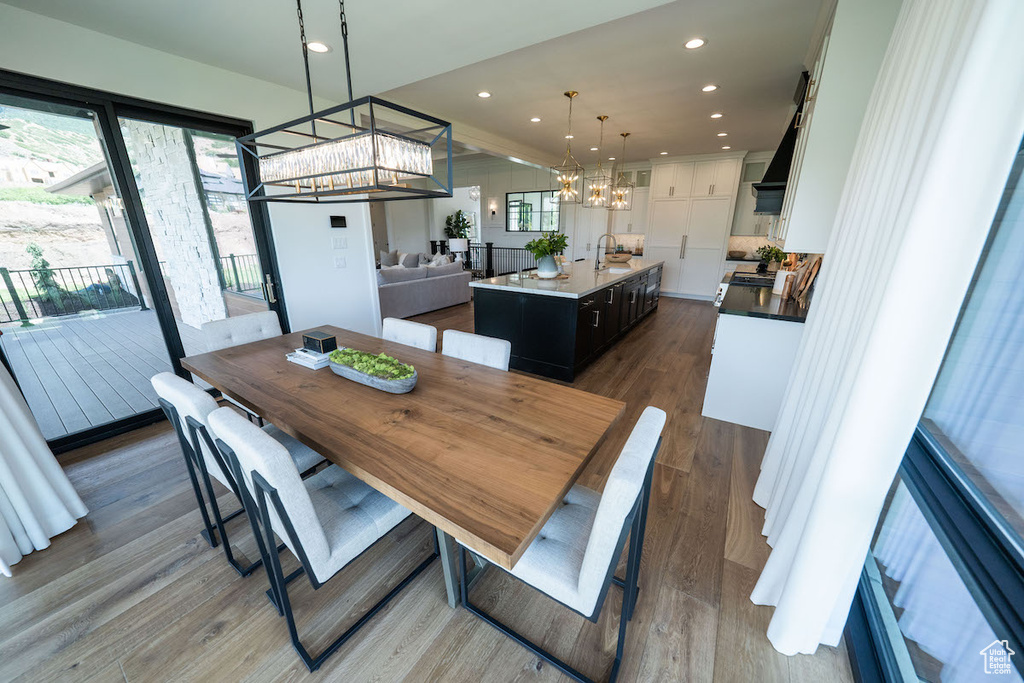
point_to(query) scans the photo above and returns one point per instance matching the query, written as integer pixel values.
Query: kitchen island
(557, 327)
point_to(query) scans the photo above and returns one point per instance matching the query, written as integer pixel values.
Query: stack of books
(309, 359)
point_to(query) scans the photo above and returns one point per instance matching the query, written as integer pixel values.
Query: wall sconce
(492, 205)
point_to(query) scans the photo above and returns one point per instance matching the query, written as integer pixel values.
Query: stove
(753, 279)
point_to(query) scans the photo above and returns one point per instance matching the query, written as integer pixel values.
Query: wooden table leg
(446, 546)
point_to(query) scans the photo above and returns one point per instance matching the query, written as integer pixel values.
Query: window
(948, 553)
(531, 211)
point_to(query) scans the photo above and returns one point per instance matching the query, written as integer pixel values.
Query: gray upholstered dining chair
(573, 558)
(411, 334)
(476, 348)
(327, 520)
(187, 408)
(237, 330)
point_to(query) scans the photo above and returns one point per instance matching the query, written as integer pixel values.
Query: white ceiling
(636, 71)
(624, 56)
(392, 43)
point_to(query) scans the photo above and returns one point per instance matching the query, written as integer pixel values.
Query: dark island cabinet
(557, 336)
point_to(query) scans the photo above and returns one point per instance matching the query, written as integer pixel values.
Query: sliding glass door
(123, 228)
(78, 327)
(192, 195)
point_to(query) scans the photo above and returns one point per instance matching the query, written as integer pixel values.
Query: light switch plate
(339, 261)
(339, 242)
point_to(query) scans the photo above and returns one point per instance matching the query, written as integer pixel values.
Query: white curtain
(939, 136)
(37, 501)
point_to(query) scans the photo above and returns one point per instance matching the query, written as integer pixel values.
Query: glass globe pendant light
(599, 182)
(622, 188)
(569, 174)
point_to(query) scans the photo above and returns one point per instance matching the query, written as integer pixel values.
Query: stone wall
(176, 219)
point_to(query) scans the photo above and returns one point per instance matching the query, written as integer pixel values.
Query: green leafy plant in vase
(544, 249)
(769, 254)
(457, 229)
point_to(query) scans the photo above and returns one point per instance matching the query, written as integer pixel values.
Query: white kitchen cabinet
(667, 226)
(671, 180)
(688, 225)
(634, 220)
(707, 219)
(702, 253)
(701, 273)
(673, 268)
(842, 81)
(715, 178)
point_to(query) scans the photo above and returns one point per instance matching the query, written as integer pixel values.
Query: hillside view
(33, 146)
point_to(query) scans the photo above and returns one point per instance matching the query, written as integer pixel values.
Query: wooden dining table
(484, 456)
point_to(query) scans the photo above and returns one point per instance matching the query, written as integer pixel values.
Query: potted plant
(376, 370)
(456, 228)
(769, 255)
(544, 249)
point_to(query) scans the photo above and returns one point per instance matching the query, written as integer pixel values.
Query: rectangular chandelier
(369, 148)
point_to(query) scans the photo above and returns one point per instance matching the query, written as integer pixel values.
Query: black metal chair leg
(313, 663)
(624, 618)
(519, 638)
(207, 532)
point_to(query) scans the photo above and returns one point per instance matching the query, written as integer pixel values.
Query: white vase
(546, 267)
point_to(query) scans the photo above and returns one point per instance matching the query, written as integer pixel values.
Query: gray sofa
(406, 292)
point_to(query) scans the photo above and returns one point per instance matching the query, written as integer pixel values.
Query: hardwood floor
(133, 593)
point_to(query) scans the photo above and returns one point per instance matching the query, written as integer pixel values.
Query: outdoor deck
(81, 371)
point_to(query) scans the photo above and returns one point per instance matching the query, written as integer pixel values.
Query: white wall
(318, 288)
(442, 207)
(408, 225)
(44, 47)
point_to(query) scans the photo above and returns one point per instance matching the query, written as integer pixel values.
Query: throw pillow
(424, 259)
(439, 260)
(409, 260)
(389, 258)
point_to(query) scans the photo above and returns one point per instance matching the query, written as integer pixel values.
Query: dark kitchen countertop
(759, 302)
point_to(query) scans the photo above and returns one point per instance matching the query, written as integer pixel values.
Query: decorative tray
(393, 386)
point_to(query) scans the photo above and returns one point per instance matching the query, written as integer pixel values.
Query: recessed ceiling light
(664, 153)
(611, 158)
(570, 137)
(484, 94)
(710, 87)
(318, 47)
(722, 135)
(535, 120)
(593, 149)
(694, 43)
(726, 147)
(717, 115)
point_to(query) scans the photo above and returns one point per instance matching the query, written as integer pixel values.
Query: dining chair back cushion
(570, 557)
(189, 401)
(624, 485)
(257, 451)
(411, 334)
(335, 515)
(477, 348)
(242, 329)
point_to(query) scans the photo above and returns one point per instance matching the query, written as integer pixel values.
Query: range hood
(770, 192)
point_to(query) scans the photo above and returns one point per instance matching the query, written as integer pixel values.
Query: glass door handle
(268, 289)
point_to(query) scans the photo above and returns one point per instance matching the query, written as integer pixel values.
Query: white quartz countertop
(583, 279)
